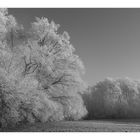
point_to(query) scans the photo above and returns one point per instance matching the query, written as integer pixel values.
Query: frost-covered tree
(130, 97)
(40, 74)
(114, 98)
(104, 97)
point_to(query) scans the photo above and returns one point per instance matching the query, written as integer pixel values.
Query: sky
(107, 40)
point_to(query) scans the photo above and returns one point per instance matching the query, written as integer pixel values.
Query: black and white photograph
(69, 69)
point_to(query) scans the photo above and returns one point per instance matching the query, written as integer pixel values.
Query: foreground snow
(82, 126)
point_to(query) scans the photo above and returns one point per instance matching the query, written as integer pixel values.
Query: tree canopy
(40, 74)
(113, 98)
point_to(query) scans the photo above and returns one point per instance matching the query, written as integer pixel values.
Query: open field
(81, 126)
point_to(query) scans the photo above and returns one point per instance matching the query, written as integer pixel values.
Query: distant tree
(105, 96)
(113, 98)
(42, 70)
(130, 96)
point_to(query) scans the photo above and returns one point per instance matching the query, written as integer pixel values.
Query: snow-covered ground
(81, 126)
